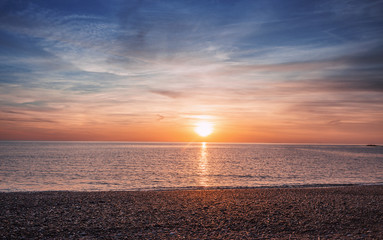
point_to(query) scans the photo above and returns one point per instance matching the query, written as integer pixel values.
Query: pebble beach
(348, 212)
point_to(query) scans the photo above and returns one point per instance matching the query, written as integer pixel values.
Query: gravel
(352, 212)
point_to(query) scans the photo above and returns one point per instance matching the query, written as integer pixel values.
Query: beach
(347, 212)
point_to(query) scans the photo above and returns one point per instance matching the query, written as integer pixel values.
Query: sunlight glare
(203, 128)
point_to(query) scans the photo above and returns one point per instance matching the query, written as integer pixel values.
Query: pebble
(306, 213)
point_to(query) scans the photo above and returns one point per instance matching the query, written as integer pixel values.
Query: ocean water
(100, 166)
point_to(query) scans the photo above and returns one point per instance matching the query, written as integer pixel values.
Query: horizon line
(215, 142)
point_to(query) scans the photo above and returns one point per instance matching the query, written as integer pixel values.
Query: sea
(142, 166)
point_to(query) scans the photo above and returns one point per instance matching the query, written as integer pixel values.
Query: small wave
(285, 186)
(237, 176)
(254, 187)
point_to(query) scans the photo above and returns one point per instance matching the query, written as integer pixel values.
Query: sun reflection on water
(203, 166)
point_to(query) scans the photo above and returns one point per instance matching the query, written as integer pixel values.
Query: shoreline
(346, 212)
(196, 188)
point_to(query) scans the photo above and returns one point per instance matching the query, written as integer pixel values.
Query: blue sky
(258, 69)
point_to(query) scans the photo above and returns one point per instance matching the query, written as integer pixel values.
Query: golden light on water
(203, 166)
(203, 128)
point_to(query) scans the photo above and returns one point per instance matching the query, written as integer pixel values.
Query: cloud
(167, 93)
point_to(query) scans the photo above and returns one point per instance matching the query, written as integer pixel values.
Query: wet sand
(353, 212)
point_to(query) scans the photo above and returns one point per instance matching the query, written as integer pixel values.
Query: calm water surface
(97, 166)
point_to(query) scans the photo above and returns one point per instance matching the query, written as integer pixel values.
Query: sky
(270, 71)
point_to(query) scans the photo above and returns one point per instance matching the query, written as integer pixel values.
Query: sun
(203, 128)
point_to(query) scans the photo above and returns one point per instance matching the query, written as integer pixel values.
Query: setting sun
(204, 129)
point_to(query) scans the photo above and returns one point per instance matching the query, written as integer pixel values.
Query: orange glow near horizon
(183, 129)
